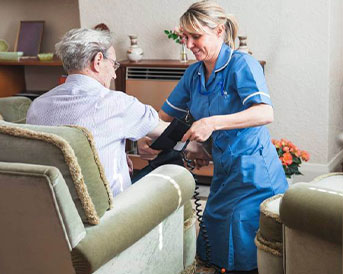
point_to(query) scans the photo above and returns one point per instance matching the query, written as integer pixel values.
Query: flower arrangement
(176, 35)
(290, 156)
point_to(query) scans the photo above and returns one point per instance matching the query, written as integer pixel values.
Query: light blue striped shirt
(111, 116)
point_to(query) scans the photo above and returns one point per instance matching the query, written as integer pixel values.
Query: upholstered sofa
(301, 231)
(58, 214)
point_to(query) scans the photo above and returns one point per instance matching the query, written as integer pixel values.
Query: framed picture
(29, 37)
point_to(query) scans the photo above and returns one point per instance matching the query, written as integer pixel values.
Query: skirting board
(311, 171)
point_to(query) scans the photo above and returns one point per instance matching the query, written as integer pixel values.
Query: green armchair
(301, 231)
(14, 109)
(59, 216)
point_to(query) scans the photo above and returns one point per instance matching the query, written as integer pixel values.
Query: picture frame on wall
(29, 37)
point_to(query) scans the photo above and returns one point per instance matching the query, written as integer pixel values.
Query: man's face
(108, 68)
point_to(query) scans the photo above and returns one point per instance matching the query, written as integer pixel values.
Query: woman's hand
(144, 149)
(200, 131)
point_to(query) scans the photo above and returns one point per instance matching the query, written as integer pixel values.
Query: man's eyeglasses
(115, 64)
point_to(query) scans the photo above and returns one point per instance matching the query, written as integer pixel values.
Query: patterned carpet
(202, 269)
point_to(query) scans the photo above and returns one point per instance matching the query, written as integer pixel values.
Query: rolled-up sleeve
(138, 119)
(176, 104)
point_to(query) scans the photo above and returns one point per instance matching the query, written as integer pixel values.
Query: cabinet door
(12, 80)
(150, 92)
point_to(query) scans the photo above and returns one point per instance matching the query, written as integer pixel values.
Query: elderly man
(86, 100)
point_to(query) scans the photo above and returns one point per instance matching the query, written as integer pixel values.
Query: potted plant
(177, 36)
(290, 156)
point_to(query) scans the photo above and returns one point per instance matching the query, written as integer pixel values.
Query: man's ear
(95, 64)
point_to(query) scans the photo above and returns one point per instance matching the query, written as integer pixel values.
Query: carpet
(202, 269)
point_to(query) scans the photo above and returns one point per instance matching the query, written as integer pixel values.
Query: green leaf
(166, 31)
(279, 152)
(296, 160)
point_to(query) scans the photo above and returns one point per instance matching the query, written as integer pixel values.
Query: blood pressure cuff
(171, 135)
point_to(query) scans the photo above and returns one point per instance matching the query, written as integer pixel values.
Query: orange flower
(285, 149)
(305, 155)
(287, 158)
(276, 143)
(290, 156)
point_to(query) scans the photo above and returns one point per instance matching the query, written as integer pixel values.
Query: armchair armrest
(136, 211)
(38, 216)
(313, 209)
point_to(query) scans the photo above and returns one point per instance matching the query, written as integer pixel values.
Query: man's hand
(197, 162)
(144, 149)
(129, 164)
(197, 153)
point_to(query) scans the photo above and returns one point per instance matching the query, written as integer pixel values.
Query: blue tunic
(246, 166)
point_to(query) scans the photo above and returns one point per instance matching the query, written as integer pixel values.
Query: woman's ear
(220, 30)
(96, 63)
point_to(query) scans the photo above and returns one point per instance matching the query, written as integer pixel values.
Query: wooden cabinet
(151, 81)
(12, 74)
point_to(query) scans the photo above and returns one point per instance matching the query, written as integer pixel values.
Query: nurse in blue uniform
(226, 93)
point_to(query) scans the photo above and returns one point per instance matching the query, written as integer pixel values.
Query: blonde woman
(226, 93)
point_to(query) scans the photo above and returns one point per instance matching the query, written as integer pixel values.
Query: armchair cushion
(70, 149)
(14, 109)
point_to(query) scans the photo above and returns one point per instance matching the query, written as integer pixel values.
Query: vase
(290, 181)
(183, 53)
(243, 46)
(134, 53)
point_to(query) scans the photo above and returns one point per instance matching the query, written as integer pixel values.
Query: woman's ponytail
(231, 29)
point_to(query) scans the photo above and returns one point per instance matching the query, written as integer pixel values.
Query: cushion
(269, 235)
(333, 180)
(14, 109)
(72, 151)
(270, 223)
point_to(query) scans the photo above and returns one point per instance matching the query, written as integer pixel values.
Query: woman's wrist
(212, 121)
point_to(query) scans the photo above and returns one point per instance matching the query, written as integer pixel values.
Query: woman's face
(205, 46)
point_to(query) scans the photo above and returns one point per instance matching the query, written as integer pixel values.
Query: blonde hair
(211, 15)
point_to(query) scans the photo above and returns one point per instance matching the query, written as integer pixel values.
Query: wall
(59, 16)
(335, 80)
(301, 42)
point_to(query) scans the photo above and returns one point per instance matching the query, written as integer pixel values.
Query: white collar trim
(228, 61)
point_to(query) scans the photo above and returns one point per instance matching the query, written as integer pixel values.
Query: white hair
(79, 46)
